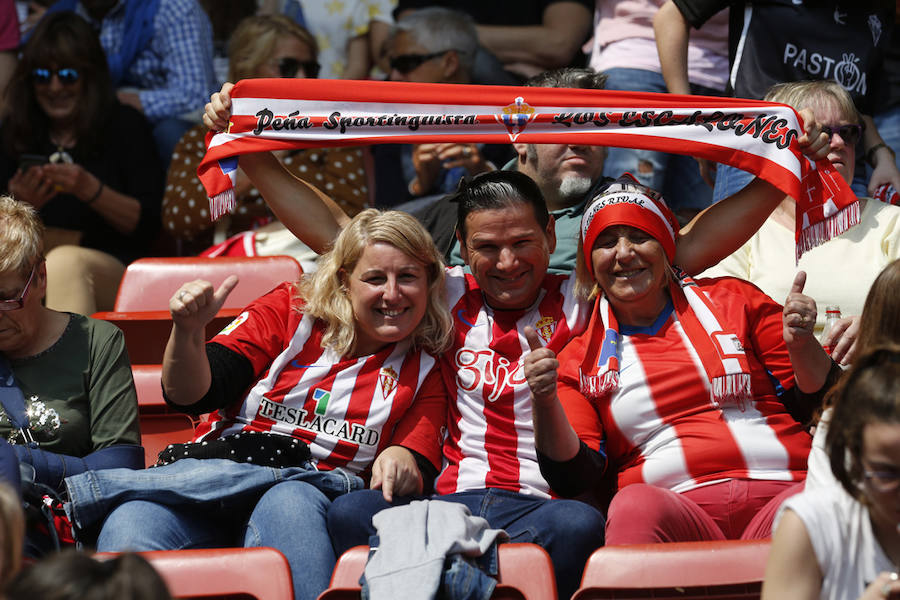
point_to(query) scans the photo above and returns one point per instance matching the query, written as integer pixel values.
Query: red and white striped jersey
(661, 427)
(490, 435)
(346, 409)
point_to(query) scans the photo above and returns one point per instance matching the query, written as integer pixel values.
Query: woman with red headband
(690, 392)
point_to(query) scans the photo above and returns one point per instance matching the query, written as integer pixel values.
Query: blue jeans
(568, 530)
(675, 176)
(212, 503)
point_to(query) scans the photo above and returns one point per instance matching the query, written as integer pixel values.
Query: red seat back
(526, 573)
(160, 430)
(723, 569)
(149, 283)
(261, 573)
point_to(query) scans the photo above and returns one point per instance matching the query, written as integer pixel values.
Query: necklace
(61, 156)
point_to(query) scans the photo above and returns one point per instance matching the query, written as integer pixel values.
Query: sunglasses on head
(288, 67)
(405, 63)
(849, 133)
(66, 76)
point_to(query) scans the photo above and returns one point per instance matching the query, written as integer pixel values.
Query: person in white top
(842, 541)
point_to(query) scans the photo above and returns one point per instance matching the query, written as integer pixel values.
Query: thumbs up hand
(799, 315)
(540, 369)
(197, 302)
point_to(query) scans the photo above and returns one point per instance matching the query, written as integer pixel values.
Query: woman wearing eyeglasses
(261, 46)
(840, 271)
(86, 162)
(67, 398)
(843, 541)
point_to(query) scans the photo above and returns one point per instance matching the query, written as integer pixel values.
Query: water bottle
(832, 315)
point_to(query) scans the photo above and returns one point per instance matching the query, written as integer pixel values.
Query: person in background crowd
(777, 42)
(841, 540)
(261, 46)
(160, 56)
(841, 270)
(624, 49)
(85, 161)
(430, 45)
(350, 34)
(319, 379)
(74, 575)
(525, 37)
(690, 391)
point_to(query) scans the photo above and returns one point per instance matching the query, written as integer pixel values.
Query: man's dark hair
(498, 189)
(569, 77)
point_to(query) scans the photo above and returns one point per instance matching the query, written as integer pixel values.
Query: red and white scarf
(626, 202)
(759, 137)
(720, 351)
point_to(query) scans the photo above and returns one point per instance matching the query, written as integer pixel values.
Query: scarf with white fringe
(756, 136)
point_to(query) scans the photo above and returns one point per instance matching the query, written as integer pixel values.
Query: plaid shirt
(175, 73)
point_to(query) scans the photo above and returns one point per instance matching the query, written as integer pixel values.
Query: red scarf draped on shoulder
(759, 137)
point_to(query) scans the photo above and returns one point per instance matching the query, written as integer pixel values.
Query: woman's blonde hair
(21, 236)
(815, 95)
(253, 43)
(326, 295)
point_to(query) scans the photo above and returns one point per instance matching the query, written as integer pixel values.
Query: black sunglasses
(66, 76)
(405, 63)
(288, 67)
(849, 133)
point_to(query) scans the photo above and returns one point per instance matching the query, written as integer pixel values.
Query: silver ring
(467, 151)
(181, 295)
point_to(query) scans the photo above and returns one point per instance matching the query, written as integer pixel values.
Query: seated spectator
(841, 270)
(525, 37)
(431, 45)
(85, 161)
(624, 49)
(841, 540)
(350, 34)
(687, 390)
(75, 575)
(261, 46)
(68, 397)
(160, 56)
(778, 42)
(338, 373)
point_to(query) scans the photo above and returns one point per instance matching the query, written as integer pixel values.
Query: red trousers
(734, 509)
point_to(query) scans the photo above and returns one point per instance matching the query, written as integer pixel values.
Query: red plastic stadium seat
(160, 430)
(526, 573)
(148, 283)
(730, 570)
(149, 388)
(260, 573)
(146, 332)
